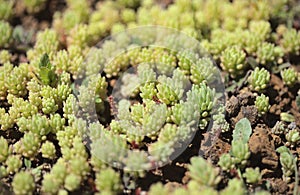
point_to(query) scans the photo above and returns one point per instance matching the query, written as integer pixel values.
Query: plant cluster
(287, 161)
(239, 153)
(262, 104)
(61, 126)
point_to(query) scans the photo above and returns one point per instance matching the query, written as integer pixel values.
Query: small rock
(249, 112)
(246, 98)
(263, 148)
(279, 186)
(232, 106)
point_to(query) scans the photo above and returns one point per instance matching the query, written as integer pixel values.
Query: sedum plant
(287, 117)
(5, 33)
(290, 41)
(202, 70)
(239, 153)
(262, 104)
(13, 163)
(54, 180)
(259, 79)
(72, 182)
(6, 9)
(108, 181)
(235, 186)
(4, 149)
(260, 28)
(5, 56)
(233, 60)
(203, 172)
(287, 161)
(46, 43)
(29, 145)
(158, 188)
(34, 5)
(226, 162)
(23, 183)
(80, 131)
(268, 53)
(292, 137)
(289, 76)
(48, 150)
(252, 175)
(279, 128)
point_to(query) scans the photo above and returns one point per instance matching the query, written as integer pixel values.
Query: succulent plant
(226, 162)
(292, 137)
(60, 101)
(13, 163)
(242, 131)
(6, 9)
(240, 152)
(262, 104)
(4, 151)
(235, 186)
(290, 41)
(233, 60)
(5, 56)
(54, 180)
(48, 150)
(287, 117)
(34, 6)
(259, 79)
(252, 175)
(23, 183)
(5, 33)
(287, 161)
(268, 52)
(108, 181)
(289, 76)
(72, 182)
(203, 172)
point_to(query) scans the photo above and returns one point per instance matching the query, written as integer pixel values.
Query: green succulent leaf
(242, 130)
(46, 73)
(27, 163)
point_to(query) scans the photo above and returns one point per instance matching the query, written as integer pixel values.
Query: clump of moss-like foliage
(43, 142)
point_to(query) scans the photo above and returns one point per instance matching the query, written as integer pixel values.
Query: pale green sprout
(292, 137)
(23, 183)
(288, 162)
(4, 150)
(48, 150)
(108, 180)
(259, 79)
(252, 175)
(233, 60)
(226, 162)
(262, 104)
(5, 33)
(203, 172)
(289, 76)
(284, 116)
(13, 163)
(235, 186)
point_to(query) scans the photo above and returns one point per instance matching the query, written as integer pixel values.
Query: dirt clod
(232, 106)
(249, 112)
(246, 98)
(279, 186)
(262, 148)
